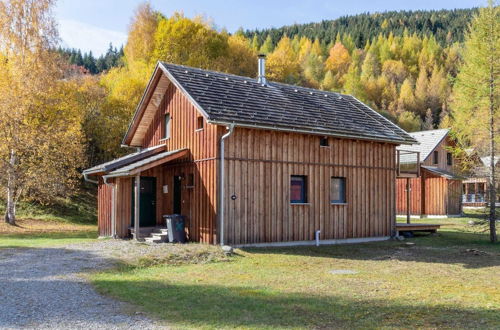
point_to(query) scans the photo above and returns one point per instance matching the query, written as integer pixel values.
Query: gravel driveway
(44, 288)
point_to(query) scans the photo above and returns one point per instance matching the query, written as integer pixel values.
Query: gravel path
(44, 289)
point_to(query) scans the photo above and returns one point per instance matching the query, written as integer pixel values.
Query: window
(337, 190)
(323, 142)
(298, 189)
(166, 123)
(199, 122)
(449, 159)
(436, 158)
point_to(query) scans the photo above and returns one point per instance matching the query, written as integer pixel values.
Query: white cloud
(87, 37)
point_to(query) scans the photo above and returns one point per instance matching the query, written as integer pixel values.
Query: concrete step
(160, 231)
(163, 237)
(153, 240)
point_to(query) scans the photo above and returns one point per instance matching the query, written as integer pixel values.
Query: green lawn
(451, 280)
(67, 221)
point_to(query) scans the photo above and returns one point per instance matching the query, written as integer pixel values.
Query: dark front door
(147, 202)
(177, 194)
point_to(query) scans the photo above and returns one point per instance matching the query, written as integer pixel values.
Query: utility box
(176, 226)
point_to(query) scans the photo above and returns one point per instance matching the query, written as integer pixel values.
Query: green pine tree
(476, 97)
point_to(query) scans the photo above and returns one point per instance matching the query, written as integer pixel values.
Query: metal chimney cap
(261, 55)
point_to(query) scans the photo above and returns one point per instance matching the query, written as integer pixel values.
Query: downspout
(230, 129)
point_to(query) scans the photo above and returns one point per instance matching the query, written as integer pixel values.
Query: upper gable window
(435, 159)
(200, 122)
(449, 159)
(166, 126)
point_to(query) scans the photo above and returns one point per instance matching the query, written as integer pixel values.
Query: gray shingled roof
(442, 172)
(226, 99)
(126, 170)
(428, 142)
(125, 160)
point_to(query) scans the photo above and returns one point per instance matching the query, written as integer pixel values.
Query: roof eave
(308, 131)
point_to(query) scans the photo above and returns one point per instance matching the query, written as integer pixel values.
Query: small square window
(199, 122)
(298, 189)
(436, 158)
(338, 190)
(323, 142)
(166, 126)
(449, 159)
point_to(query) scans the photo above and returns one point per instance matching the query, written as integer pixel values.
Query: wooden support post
(137, 191)
(113, 209)
(408, 188)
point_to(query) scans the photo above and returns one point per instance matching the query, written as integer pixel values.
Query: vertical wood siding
(416, 202)
(258, 170)
(199, 203)
(430, 195)
(103, 208)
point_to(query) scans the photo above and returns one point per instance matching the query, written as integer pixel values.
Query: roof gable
(226, 99)
(427, 142)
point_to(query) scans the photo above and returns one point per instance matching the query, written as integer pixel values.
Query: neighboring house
(248, 161)
(475, 187)
(438, 190)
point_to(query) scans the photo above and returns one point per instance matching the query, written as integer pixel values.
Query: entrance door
(177, 194)
(147, 202)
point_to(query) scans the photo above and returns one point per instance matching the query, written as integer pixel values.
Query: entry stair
(157, 235)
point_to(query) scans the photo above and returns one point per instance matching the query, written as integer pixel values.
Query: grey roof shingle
(125, 160)
(226, 98)
(442, 172)
(428, 141)
(125, 170)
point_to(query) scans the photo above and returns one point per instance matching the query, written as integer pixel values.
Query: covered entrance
(147, 202)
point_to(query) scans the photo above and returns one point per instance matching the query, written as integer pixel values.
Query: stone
(227, 249)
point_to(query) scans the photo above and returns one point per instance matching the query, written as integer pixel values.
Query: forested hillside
(447, 26)
(93, 64)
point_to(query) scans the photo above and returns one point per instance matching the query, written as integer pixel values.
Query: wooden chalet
(438, 189)
(475, 186)
(251, 162)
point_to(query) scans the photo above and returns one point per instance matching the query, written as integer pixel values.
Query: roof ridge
(269, 82)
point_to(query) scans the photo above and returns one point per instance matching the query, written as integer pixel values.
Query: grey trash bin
(176, 228)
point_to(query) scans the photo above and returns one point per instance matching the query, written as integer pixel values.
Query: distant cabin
(475, 186)
(438, 190)
(251, 162)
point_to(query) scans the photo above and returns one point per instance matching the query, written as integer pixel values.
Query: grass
(70, 220)
(445, 281)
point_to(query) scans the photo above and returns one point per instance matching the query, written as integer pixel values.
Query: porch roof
(125, 160)
(442, 173)
(147, 163)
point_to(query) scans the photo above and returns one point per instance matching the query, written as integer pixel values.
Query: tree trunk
(10, 212)
(492, 183)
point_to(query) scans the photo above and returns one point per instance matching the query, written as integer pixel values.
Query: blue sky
(93, 24)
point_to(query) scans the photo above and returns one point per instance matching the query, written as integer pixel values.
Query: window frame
(449, 159)
(435, 157)
(304, 186)
(198, 120)
(343, 190)
(167, 126)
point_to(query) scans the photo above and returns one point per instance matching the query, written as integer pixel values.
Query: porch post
(137, 190)
(408, 212)
(113, 209)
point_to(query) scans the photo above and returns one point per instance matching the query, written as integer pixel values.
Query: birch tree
(39, 127)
